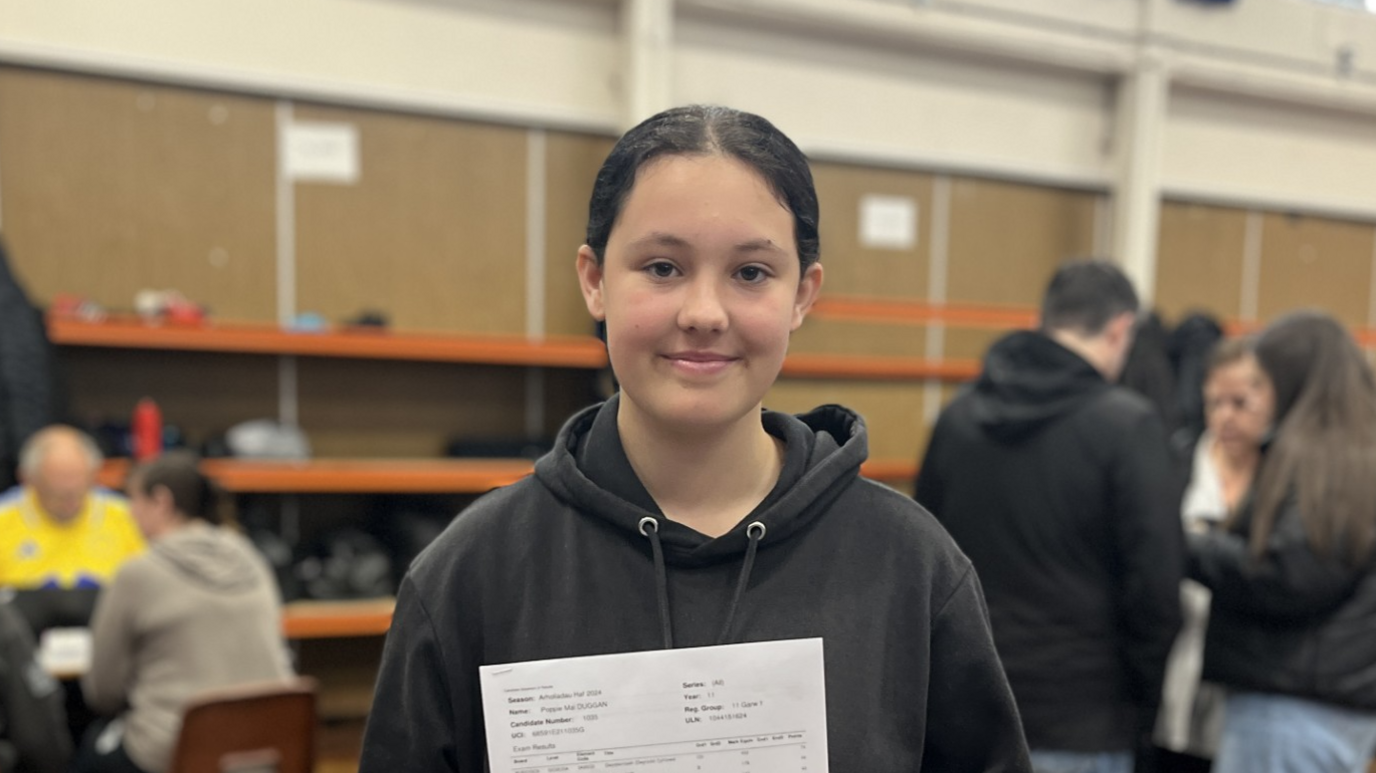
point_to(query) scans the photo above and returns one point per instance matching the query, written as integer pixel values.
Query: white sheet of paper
(888, 222)
(752, 707)
(321, 152)
(65, 652)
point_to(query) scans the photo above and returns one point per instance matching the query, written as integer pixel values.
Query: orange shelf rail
(878, 368)
(890, 470)
(901, 312)
(970, 315)
(394, 476)
(336, 619)
(574, 352)
(351, 476)
(245, 338)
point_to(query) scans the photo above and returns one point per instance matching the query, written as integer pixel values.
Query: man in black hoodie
(1057, 485)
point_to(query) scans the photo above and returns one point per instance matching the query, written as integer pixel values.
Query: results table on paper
(751, 708)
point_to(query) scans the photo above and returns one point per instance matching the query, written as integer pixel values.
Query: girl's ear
(590, 282)
(808, 289)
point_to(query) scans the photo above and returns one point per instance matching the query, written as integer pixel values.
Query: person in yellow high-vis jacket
(58, 529)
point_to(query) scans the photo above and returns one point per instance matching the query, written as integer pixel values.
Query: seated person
(199, 611)
(58, 529)
(33, 728)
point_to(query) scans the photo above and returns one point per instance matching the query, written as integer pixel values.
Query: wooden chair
(265, 727)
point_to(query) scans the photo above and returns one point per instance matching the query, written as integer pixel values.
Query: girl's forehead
(692, 187)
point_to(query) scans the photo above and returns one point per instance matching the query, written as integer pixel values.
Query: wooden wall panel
(406, 409)
(433, 232)
(853, 268)
(892, 410)
(1199, 260)
(572, 161)
(834, 336)
(1316, 262)
(1006, 241)
(204, 394)
(971, 343)
(113, 186)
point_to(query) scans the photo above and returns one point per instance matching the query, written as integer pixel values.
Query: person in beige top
(1238, 411)
(200, 610)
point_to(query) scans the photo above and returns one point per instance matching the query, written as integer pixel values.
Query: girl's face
(700, 290)
(1239, 403)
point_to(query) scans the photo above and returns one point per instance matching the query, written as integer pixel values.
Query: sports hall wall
(139, 147)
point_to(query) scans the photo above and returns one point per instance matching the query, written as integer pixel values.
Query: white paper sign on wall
(321, 152)
(888, 222)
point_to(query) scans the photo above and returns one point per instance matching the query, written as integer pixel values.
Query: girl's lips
(700, 363)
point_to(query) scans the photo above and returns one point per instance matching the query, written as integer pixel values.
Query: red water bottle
(147, 430)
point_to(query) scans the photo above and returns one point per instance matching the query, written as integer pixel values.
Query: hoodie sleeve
(972, 721)
(104, 686)
(1149, 542)
(410, 726)
(1288, 582)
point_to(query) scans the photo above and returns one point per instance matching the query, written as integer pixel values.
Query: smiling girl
(680, 513)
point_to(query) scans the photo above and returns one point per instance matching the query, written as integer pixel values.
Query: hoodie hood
(1028, 382)
(208, 556)
(588, 469)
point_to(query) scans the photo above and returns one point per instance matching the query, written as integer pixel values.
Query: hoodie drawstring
(649, 528)
(754, 533)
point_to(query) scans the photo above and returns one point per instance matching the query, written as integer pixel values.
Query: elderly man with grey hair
(58, 529)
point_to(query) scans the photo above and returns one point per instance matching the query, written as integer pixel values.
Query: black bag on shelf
(345, 563)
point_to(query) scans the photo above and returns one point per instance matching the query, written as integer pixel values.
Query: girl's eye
(661, 269)
(752, 274)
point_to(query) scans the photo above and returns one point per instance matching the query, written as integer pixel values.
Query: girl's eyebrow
(662, 239)
(759, 245)
(659, 239)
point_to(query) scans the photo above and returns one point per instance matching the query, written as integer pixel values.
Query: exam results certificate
(755, 708)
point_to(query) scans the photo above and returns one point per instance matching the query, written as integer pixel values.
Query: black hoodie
(556, 566)
(1060, 489)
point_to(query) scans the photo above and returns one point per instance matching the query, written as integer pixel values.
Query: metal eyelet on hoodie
(754, 533)
(649, 528)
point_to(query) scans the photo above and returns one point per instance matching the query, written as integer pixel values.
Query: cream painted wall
(846, 100)
(1241, 150)
(528, 61)
(1299, 34)
(1020, 89)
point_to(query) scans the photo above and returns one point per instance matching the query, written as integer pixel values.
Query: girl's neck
(707, 480)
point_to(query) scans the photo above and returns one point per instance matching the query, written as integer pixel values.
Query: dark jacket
(27, 401)
(33, 723)
(1060, 489)
(1290, 621)
(555, 566)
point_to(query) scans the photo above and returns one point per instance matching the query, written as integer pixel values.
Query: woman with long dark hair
(1293, 626)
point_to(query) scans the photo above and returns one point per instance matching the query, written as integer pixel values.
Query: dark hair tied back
(193, 494)
(708, 130)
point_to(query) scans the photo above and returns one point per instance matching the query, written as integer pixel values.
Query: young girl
(681, 514)
(200, 610)
(1292, 630)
